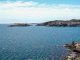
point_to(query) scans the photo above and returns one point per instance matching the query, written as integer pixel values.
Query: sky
(37, 11)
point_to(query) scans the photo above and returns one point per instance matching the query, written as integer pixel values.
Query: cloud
(36, 12)
(17, 4)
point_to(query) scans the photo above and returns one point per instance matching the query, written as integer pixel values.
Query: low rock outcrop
(19, 25)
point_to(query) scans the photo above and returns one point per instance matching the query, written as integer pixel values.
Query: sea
(36, 42)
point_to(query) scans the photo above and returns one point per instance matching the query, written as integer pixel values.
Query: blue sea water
(36, 42)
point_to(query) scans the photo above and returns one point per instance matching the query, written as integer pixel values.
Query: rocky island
(74, 51)
(73, 22)
(19, 25)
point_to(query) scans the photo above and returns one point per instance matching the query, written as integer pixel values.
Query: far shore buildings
(61, 23)
(68, 23)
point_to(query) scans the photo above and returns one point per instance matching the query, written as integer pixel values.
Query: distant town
(72, 22)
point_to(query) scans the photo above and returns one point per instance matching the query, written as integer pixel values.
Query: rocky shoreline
(74, 51)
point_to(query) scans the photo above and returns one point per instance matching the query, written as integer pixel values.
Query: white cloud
(36, 12)
(17, 4)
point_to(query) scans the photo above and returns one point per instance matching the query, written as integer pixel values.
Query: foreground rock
(19, 25)
(74, 51)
